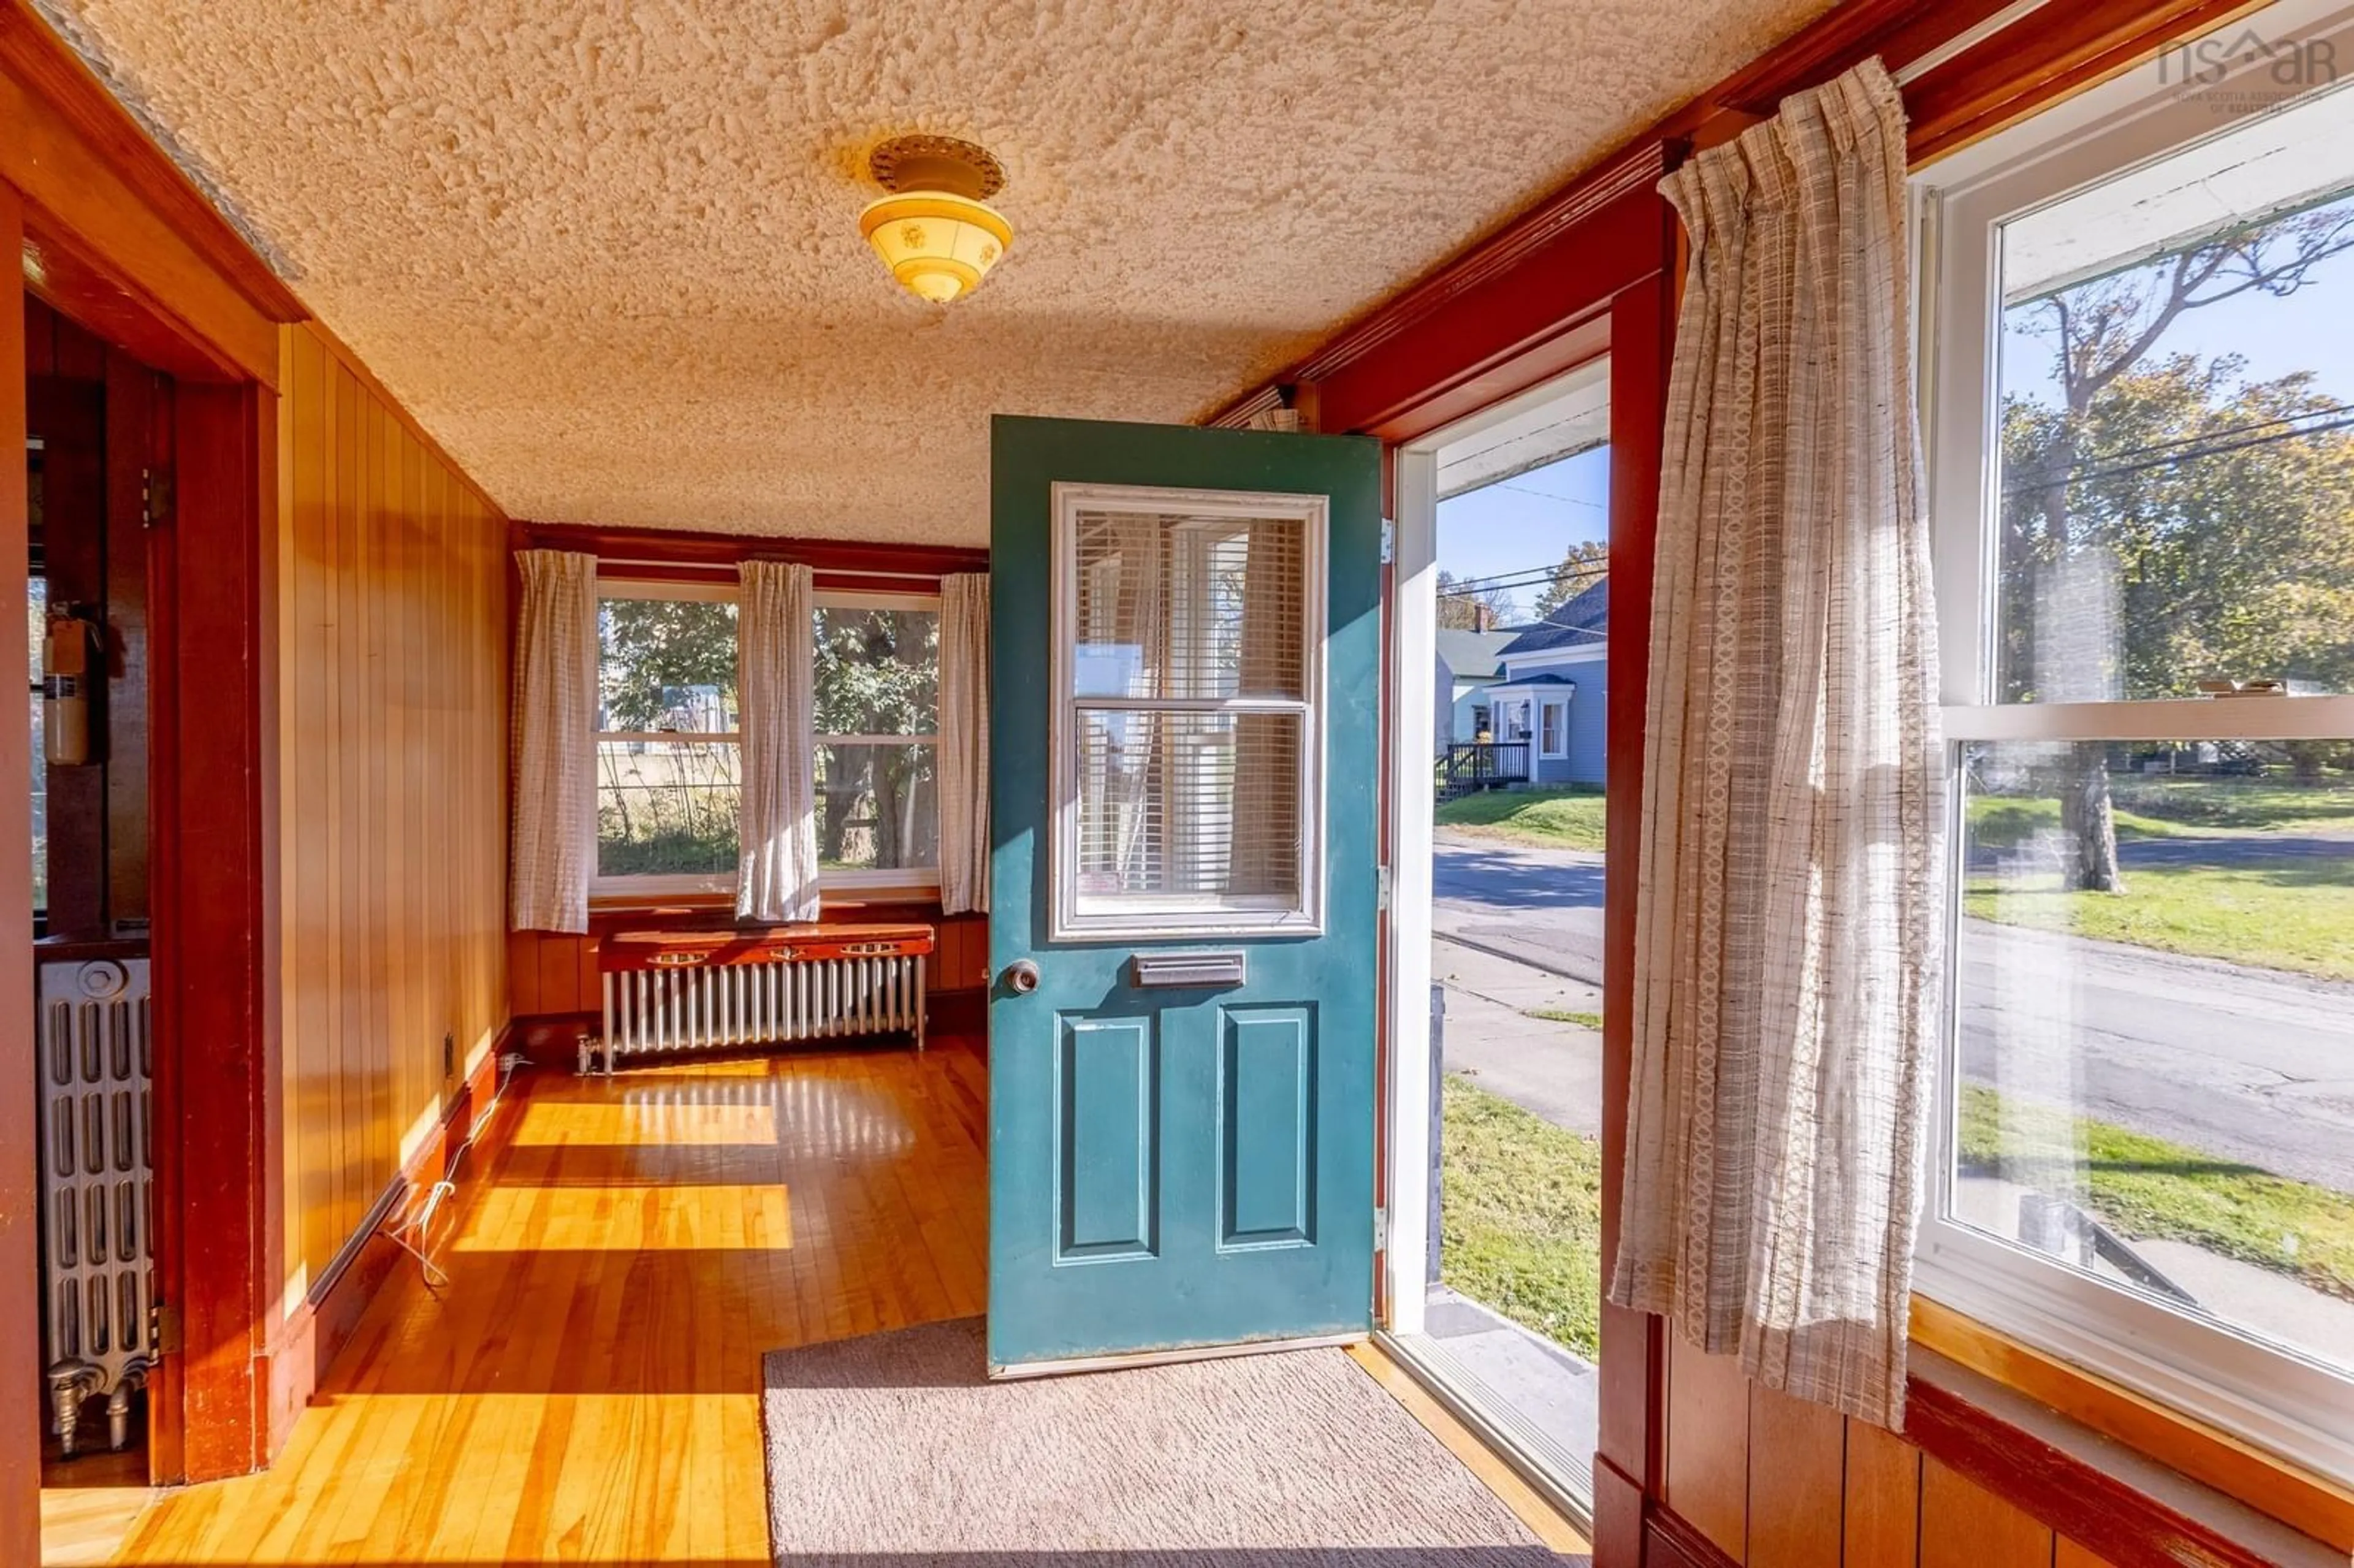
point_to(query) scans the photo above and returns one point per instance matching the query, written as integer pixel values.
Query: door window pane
(2175, 499)
(1188, 807)
(1172, 606)
(2156, 1078)
(666, 807)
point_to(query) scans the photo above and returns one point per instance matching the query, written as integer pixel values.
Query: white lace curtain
(554, 829)
(1785, 1002)
(964, 742)
(775, 684)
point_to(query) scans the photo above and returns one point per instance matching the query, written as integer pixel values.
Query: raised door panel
(1108, 1141)
(1267, 1134)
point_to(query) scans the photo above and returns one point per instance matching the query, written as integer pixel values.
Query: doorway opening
(1497, 1101)
(91, 416)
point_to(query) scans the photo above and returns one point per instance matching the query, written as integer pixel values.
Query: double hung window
(2140, 317)
(668, 777)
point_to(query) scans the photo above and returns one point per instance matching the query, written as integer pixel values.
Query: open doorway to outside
(1503, 565)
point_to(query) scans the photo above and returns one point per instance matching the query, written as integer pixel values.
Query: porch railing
(1482, 765)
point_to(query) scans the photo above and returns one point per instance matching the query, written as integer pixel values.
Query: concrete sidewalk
(1552, 1069)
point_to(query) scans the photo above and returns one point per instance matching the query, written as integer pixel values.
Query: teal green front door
(1185, 649)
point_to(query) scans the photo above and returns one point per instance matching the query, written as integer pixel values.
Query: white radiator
(96, 1039)
(669, 992)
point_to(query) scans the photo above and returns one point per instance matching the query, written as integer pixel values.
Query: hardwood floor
(586, 1388)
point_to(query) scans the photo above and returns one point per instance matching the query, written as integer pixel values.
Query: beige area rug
(894, 1450)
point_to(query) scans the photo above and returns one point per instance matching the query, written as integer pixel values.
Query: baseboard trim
(309, 1338)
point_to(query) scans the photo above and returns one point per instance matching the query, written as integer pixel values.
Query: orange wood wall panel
(1798, 1459)
(1963, 1525)
(1708, 1446)
(1882, 1507)
(2066, 1553)
(392, 822)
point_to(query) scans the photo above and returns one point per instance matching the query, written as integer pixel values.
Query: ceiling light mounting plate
(936, 164)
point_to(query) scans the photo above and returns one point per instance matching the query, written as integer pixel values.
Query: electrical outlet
(448, 1053)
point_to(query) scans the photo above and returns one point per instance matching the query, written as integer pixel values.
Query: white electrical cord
(419, 1223)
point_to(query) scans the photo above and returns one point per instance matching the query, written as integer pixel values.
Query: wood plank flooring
(586, 1387)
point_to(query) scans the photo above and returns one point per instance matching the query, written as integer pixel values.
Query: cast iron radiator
(670, 991)
(96, 1040)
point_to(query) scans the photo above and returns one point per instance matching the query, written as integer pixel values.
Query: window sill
(2310, 1504)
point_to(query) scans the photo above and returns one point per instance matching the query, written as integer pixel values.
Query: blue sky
(1527, 523)
(2312, 329)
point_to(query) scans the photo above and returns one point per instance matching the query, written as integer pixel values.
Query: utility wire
(1468, 590)
(2036, 479)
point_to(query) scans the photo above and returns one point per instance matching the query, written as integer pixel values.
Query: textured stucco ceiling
(606, 249)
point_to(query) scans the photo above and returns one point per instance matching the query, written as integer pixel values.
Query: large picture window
(668, 761)
(2142, 442)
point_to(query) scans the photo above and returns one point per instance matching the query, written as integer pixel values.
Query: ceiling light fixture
(934, 230)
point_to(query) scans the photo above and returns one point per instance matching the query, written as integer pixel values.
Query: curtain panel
(964, 743)
(775, 688)
(554, 831)
(1786, 1000)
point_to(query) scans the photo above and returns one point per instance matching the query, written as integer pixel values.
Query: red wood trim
(2054, 50)
(1669, 1542)
(1618, 1505)
(1985, 87)
(1633, 1359)
(37, 57)
(166, 1403)
(681, 548)
(22, 1414)
(1898, 31)
(1537, 283)
(84, 289)
(216, 883)
(2131, 1529)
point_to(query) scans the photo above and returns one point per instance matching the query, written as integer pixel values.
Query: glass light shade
(938, 245)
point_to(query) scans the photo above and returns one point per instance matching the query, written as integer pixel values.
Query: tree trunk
(2090, 822)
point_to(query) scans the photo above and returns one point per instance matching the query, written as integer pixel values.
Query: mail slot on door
(1185, 971)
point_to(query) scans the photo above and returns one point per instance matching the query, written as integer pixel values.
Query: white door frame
(1414, 653)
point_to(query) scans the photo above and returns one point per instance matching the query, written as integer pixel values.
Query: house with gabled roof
(1552, 690)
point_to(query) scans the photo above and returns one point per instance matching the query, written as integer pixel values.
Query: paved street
(2245, 1064)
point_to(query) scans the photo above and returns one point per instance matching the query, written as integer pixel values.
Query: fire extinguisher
(66, 661)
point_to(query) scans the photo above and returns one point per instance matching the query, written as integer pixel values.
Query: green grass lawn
(2280, 914)
(1566, 817)
(2176, 807)
(2147, 1186)
(1565, 1015)
(1521, 1215)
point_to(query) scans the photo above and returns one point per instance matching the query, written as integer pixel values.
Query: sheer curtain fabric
(1785, 995)
(775, 680)
(964, 743)
(555, 741)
